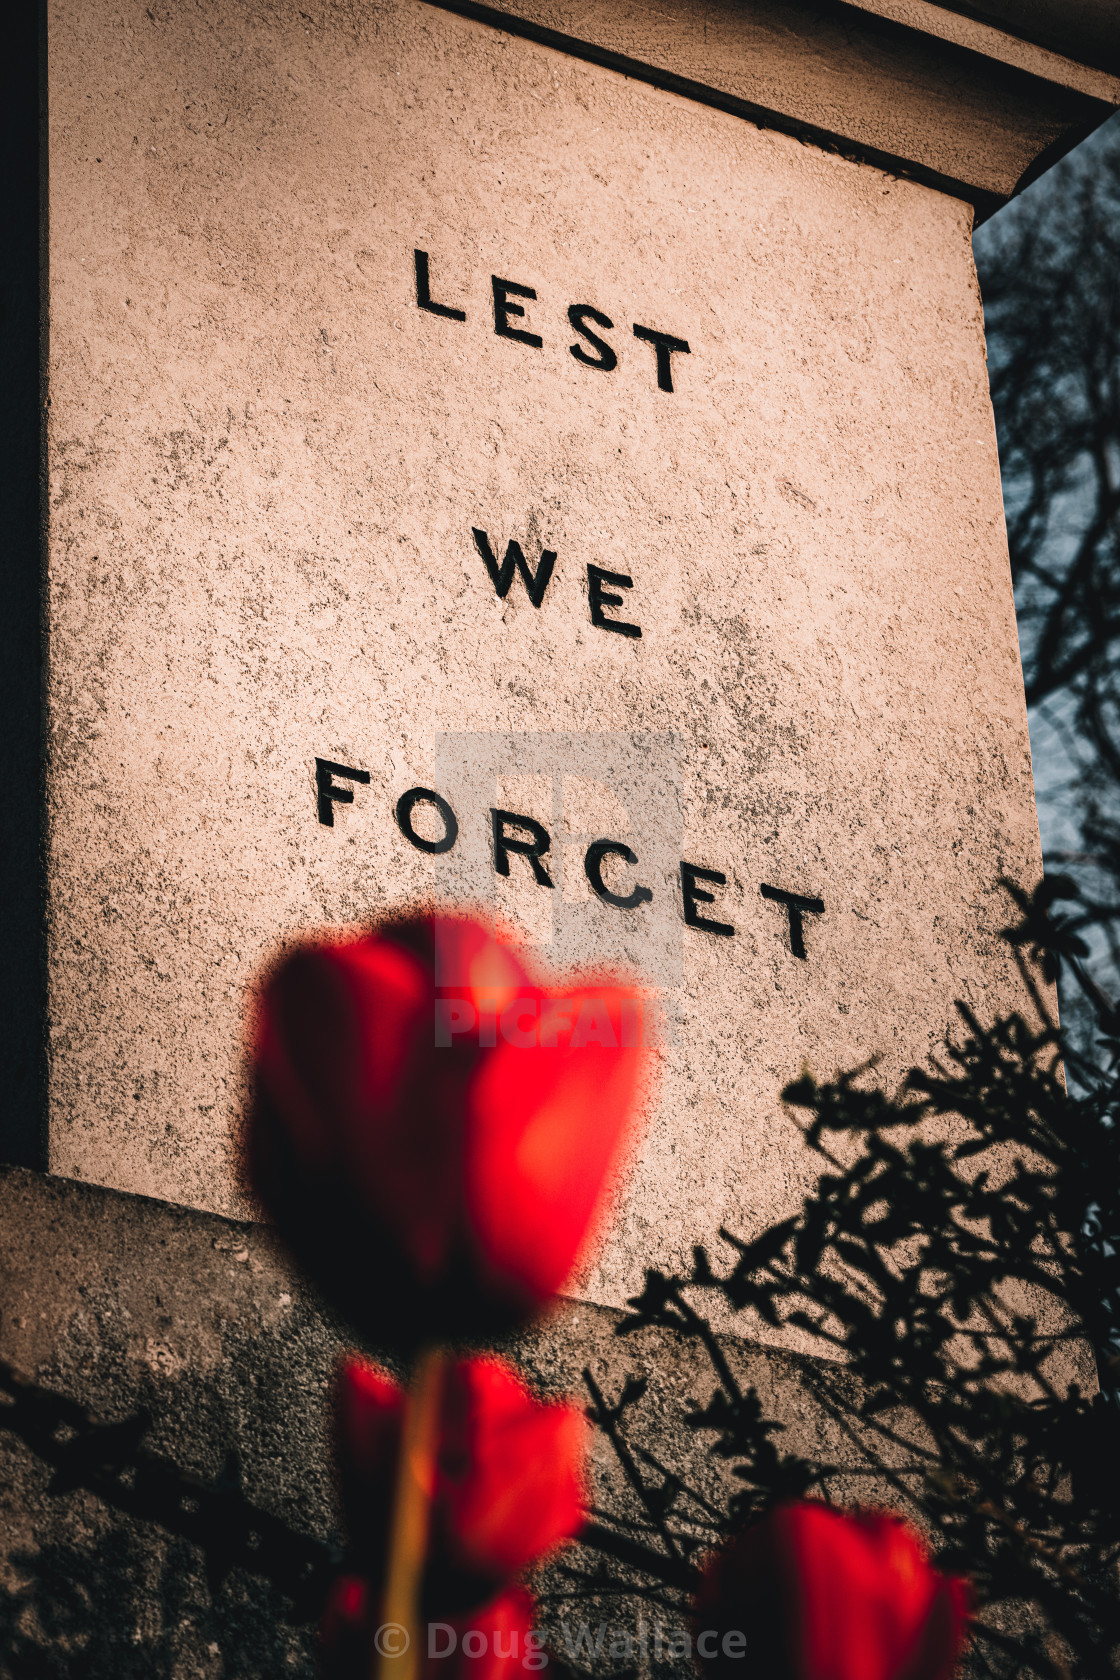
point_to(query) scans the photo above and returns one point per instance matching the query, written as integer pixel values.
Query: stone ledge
(1035, 38)
(966, 110)
(123, 1304)
(1089, 30)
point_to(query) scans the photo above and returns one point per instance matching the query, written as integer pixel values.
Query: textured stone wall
(266, 463)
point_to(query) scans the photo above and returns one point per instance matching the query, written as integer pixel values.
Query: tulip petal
(439, 1178)
(825, 1594)
(510, 1475)
(550, 1128)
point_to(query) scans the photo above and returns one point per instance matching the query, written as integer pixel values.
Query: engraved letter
(796, 904)
(593, 869)
(407, 803)
(665, 345)
(579, 314)
(598, 598)
(424, 292)
(503, 309)
(533, 849)
(328, 793)
(694, 896)
(502, 576)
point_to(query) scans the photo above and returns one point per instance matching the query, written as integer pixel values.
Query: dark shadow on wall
(127, 1605)
(22, 971)
(167, 1499)
(134, 1566)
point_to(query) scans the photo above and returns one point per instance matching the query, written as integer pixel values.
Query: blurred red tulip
(509, 1480)
(493, 1643)
(433, 1133)
(813, 1593)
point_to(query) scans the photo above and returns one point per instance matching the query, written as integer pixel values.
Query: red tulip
(433, 1132)
(508, 1484)
(813, 1593)
(494, 1643)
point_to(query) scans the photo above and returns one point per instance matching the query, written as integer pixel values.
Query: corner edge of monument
(972, 103)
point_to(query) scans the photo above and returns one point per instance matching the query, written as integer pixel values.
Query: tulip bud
(814, 1593)
(508, 1484)
(433, 1133)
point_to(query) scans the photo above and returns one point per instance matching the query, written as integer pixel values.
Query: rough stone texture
(122, 1303)
(265, 463)
(947, 95)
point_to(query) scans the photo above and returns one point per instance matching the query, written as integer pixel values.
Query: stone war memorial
(534, 456)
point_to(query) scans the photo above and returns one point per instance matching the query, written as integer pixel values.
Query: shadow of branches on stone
(958, 1262)
(161, 1572)
(127, 1603)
